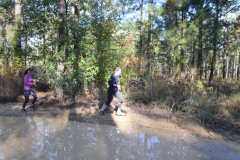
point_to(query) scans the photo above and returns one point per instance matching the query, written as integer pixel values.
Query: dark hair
(28, 69)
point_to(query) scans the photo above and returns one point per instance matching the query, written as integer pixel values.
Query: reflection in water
(58, 138)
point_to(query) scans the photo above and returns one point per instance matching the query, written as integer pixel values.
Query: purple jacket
(28, 81)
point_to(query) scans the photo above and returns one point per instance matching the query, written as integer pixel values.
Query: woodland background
(180, 55)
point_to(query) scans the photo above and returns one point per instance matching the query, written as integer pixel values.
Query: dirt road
(87, 111)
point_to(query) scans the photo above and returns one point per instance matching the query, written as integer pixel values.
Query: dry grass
(216, 106)
(10, 88)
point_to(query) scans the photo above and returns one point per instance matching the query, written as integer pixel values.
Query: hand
(119, 87)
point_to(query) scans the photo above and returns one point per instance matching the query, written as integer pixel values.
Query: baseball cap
(29, 69)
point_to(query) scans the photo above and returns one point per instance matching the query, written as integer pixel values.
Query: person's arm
(117, 84)
(116, 81)
(113, 81)
(30, 81)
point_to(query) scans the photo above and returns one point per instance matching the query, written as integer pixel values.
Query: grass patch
(217, 105)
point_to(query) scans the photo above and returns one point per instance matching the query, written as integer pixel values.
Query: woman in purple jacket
(27, 91)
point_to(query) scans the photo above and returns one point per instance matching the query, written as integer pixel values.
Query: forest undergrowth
(215, 106)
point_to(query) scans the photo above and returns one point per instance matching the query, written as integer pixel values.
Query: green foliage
(2, 50)
(18, 53)
(199, 105)
(237, 87)
(102, 37)
(199, 85)
(88, 71)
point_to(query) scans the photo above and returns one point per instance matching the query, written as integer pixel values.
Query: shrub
(10, 88)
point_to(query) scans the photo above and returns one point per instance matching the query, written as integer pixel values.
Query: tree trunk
(141, 36)
(141, 28)
(224, 66)
(233, 67)
(215, 37)
(61, 29)
(193, 55)
(76, 45)
(149, 40)
(17, 58)
(182, 54)
(218, 69)
(238, 68)
(44, 39)
(200, 48)
(5, 47)
(206, 66)
(61, 44)
(18, 11)
(26, 50)
(225, 57)
(229, 67)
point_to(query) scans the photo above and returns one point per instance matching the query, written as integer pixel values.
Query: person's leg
(26, 96)
(109, 100)
(33, 93)
(120, 98)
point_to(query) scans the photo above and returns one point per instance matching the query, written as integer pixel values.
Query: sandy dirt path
(87, 111)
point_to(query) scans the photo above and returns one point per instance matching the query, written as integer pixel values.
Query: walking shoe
(116, 108)
(104, 106)
(24, 110)
(120, 113)
(101, 112)
(32, 106)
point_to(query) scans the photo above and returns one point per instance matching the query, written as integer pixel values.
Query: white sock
(119, 106)
(103, 107)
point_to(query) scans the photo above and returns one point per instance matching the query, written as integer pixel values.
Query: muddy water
(59, 138)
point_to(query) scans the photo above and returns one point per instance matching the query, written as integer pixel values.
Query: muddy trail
(52, 130)
(137, 118)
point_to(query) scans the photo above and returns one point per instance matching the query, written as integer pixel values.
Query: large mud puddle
(29, 137)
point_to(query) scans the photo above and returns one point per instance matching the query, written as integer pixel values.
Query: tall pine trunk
(62, 10)
(193, 54)
(225, 57)
(76, 44)
(206, 66)
(149, 40)
(18, 55)
(238, 67)
(4, 46)
(141, 36)
(235, 65)
(182, 53)
(215, 37)
(200, 48)
(141, 28)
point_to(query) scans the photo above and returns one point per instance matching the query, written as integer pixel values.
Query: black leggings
(27, 94)
(118, 95)
(109, 99)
